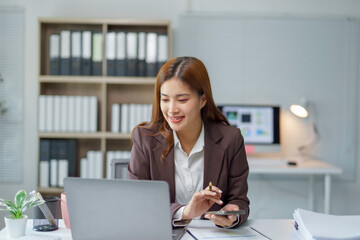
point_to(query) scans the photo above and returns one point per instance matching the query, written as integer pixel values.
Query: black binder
(131, 53)
(151, 54)
(86, 53)
(96, 54)
(45, 155)
(71, 149)
(141, 69)
(65, 52)
(54, 54)
(120, 63)
(110, 53)
(75, 53)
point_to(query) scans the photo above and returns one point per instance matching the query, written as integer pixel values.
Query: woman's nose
(173, 107)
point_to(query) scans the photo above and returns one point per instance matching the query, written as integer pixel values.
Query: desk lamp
(303, 110)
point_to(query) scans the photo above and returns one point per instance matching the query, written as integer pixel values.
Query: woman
(189, 143)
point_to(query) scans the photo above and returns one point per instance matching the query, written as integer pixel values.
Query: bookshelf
(108, 90)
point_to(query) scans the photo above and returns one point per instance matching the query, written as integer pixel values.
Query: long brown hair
(191, 71)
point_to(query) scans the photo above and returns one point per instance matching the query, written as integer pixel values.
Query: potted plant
(16, 222)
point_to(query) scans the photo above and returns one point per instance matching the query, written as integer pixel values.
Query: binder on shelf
(84, 168)
(131, 53)
(86, 53)
(97, 48)
(99, 164)
(93, 114)
(57, 109)
(44, 167)
(115, 118)
(49, 113)
(162, 51)
(110, 53)
(76, 53)
(120, 68)
(71, 156)
(85, 107)
(78, 114)
(54, 54)
(64, 113)
(65, 52)
(124, 117)
(63, 171)
(151, 51)
(54, 156)
(91, 157)
(141, 69)
(42, 113)
(71, 113)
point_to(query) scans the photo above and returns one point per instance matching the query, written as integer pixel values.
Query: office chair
(119, 168)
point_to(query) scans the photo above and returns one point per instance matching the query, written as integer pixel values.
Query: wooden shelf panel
(97, 80)
(97, 135)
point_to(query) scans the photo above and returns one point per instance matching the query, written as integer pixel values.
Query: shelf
(96, 135)
(51, 190)
(97, 80)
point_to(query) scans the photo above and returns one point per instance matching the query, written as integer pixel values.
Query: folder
(57, 109)
(64, 114)
(120, 68)
(71, 156)
(85, 113)
(141, 70)
(42, 113)
(93, 114)
(151, 50)
(131, 53)
(115, 118)
(86, 53)
(63, 165)
(49, 119)
(84, 168)
(124, 117)
(54, 155)
(65, 53)
(78, 113)
(162, 51)
(76, 53)
(71, 114)
(97, 53)
(54, 54)
(44, 180)
(110, 53)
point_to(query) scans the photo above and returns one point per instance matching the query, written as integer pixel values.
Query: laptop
(119, 209)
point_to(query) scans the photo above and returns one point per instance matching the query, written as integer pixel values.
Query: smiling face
(181, 106)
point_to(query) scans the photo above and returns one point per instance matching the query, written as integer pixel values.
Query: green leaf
(20, 198)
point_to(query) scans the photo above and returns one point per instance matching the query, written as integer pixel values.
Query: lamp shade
(299, 110)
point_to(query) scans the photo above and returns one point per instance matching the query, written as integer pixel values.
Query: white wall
(269, 199)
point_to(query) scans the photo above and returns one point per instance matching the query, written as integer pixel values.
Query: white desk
(310, 168)
(279, 229)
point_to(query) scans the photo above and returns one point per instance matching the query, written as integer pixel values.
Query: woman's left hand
(224, 221)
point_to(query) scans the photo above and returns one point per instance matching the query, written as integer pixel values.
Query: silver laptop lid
(118, 209)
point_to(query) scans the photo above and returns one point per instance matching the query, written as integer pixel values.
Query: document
(222, 234)
(313, 225)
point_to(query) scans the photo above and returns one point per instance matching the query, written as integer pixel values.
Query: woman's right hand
(201, 202)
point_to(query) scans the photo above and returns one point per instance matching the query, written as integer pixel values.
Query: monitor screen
(259, 124)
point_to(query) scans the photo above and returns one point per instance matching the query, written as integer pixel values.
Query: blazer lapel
(213, 156)
(167, 166)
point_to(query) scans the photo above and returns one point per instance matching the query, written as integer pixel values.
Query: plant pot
(15, 227)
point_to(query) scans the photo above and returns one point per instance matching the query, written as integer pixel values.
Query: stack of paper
(318, 226)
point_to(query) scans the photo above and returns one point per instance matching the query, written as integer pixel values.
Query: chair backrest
(119, 168)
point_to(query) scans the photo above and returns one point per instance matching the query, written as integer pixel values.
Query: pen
(210, 186)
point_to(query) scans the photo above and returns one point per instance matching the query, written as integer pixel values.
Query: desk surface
(280, 166)
(279, 229)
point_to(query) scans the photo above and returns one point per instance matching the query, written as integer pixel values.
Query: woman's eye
(164, 100)
(183, 100)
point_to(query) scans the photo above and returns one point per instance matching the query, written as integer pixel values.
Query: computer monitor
(259, 124)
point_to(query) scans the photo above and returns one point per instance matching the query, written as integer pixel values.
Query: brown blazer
(225, 163)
